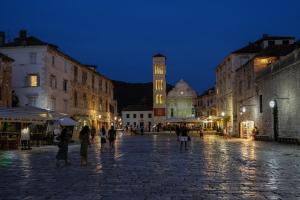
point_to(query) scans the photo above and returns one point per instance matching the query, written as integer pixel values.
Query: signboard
(159, 112)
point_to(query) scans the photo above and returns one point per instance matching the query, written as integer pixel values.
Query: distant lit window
(32, 58)
(33, 80)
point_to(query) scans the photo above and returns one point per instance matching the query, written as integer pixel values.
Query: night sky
(120, 37)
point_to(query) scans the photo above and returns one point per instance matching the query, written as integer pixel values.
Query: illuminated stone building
(226, 78)
(178, 105)
(245, 89)
(44, 76)
(159, 89)
(5, 81)
(206, 109)
(181, 102)
(278, 99)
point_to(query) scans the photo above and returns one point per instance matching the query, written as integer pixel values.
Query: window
(172, 112)
(65, 85)
(141, 115)
(260, 104)
(84, 78)
(32, 100)
(149, 115)
(100, 105)
(33, 80)
(32, 58)
(66, 67)
(75, 73)
(84, 99)
(159, 99)
(100, 85)
(159, 84)
(271, 43)
(53, 61)
(240, 87)
(128, 123)
(248, 82)
(127, 116)
(53, 83)
(134, 123)
(65, 105)
(285, 42)
(158, 69)
(93, 81)
(75, 99)
(53, 103)
(134, 115)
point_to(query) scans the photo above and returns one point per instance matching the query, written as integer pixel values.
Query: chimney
(2, 38)
(23, 35)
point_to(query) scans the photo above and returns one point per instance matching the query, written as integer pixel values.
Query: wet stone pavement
(152, 167)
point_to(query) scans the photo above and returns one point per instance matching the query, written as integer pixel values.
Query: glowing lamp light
(115, 118)
(272, 103)
(222, 114)
(243, 109)
(100, 116)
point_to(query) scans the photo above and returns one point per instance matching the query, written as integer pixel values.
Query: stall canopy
(29, 114)
(25, 114)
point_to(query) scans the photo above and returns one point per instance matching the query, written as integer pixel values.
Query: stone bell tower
(159, 90)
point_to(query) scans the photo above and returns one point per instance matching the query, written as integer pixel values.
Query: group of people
(86, 137)
(182, 135)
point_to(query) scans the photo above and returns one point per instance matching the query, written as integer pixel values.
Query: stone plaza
(153, 167)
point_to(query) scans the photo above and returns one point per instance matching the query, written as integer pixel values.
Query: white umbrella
(67, 121)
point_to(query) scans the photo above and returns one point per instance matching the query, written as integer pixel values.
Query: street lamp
(243, 109)
(274, 106)
(222, 114)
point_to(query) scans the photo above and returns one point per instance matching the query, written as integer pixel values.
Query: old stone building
(206, 109)
(279, 97)
(44, 76)
(181, 102)
(5, 81)
(226, 76)
(245, 88)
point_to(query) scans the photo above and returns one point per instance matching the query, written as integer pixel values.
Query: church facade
(176, 106)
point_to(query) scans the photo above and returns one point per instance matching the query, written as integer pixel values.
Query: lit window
(33, 80)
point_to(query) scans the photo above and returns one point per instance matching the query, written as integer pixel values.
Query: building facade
(278, 98)
(138, 116)
(245, 88)
(159, 89)
(43, 76)
(5, 81)
(181, 102)
(226, 78)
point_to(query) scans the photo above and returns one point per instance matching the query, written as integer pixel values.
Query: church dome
(182, 90)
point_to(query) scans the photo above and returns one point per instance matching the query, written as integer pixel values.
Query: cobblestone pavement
(152, 167)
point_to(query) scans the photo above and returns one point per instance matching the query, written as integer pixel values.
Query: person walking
(183, 137)
(25, 138)
(112, 137)
(177, 131)
(102, 138)
(93, 133)
(85, 142)
(63, 144)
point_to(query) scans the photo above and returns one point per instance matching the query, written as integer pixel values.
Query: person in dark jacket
(183, 136)
(85, 142)
(112, 137)
(63, 144)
